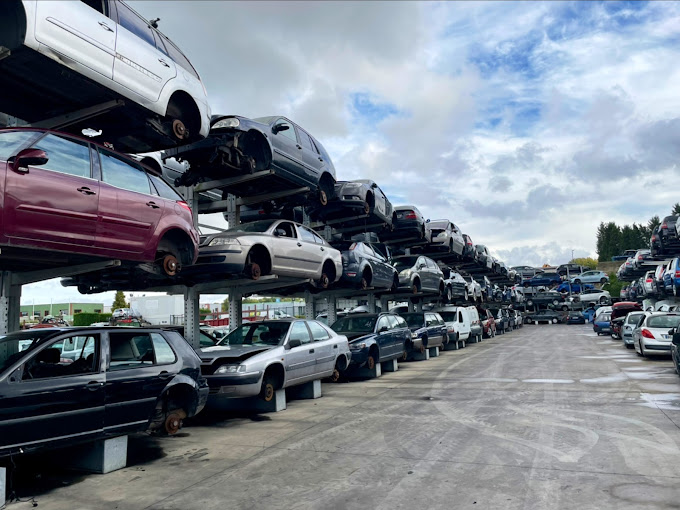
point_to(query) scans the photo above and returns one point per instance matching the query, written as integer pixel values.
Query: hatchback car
(576, 318)
(428, 329)
(117, 381)
(602, 324)
(548, 316)
(455, 285)
(68, 56)
(261, 357)
(364, 267)
(445, 235)
(594, 296)
(419, 274)
(374, 338)
(361, 197)
(542, 279)
(629, 324)
(408, 224)
(483, 256)
(469, 254)
(68, 195)
(652, 336)
(591, 277)
(278, 247)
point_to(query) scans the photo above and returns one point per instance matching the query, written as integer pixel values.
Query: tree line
(614, 240)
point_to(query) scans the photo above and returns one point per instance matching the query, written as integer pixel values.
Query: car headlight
(221, 241)
(230, 122)
(414, 335)
(356, 347)
(406, 273)
(231, 369)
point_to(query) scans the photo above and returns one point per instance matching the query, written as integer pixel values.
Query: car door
(325, 348)
(128, 212)
(81, 31)
(433, 272)
(288, 256)
(397, 336)
(300, 361)
(140, 66)
(139, 366)
(378, 267)
(51, 397)
(313, 162)
(313, 251)
(287, 154)
(54, 204)
(384, 337)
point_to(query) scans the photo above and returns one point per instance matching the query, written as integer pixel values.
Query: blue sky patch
(369, 110)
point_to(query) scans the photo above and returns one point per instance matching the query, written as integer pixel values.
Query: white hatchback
(62, 57)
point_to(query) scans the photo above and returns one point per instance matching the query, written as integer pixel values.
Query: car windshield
(414, 320)
(441, 225)
(255, 226)
(14, 345)
(257, 333)
(355, 324)
(448, 316)
(663, 321)
(265, 120)
(404, 262)
(633, 318)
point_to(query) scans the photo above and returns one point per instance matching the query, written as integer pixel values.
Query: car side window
(383, 322)
(317, 238)
(129, 20)
(306, 141)
(300, 332)
(130, 350)
(74, 355)
(306, 235)
(123, 174)
(394, 322)
(430, 320)
(12, 141)
(318, 332)
(178, 57)
(288, 133)
(65, 156)
(401, 322)
(286, 229)
(164, 353)
(164, 189)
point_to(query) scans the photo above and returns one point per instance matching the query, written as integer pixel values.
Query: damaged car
(262, 357)
(241, 146)
(445, 235)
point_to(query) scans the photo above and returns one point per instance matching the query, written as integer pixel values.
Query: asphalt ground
(545, 417)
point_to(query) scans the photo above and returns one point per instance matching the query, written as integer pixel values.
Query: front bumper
(628, 339)
(220, 259)
(247, 384)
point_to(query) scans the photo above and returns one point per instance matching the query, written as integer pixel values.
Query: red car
(488, 323)
(60, 193)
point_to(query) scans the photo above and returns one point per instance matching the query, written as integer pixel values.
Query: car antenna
(154, 22)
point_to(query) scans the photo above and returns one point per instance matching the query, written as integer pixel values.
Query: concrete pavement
(546, 417)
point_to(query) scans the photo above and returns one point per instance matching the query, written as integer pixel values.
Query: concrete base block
(462, 344)
(100, 456)
(277, 404)
(451, 346)
(434, 352)
(471, 340)
(367, 373)
(390, 366)
(479, 338)
(308, 390)
(420, 356)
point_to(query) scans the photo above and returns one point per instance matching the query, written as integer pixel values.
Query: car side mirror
(374, 185)
(28, 157)
(383, 329)
(279, 127)
(293, 342)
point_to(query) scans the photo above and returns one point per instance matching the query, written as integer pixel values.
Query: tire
(554, 321)
(642, 351)
(565, 308)
(445, 340)
(268, 389)
(449, 294)
(530, 303)
(577, 281)
(556, 302)
(629, 346)
(603, 300)
(528, 320)
(466, 295)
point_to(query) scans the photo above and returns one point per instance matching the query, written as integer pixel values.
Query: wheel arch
(181, 101)
(181, 393)
(13, 25)
(277, 369)
(182, 241)
(327, 184)
(262, 250)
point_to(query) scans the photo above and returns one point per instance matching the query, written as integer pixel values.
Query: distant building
(65, 310)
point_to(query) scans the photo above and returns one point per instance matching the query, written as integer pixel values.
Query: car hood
(232, 352)
(353, 336)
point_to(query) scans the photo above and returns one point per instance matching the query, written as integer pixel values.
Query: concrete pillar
(434, 352)
(277, 404)
(420, 356)
(10, 304)
(366, 373)
(192, 317)
(235, 310)
(371, 303)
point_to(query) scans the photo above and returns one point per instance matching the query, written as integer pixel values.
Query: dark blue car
(374, 338)
(364, 267)
(428, 329)
(545, 279)
(575, 287)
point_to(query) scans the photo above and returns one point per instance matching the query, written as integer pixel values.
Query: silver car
(278, 247)
(261, 357)
(652, 334)
(631, 322)
(444, 234)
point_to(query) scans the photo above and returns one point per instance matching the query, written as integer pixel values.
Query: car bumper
(628, 339)
(359, 358)
(601, 329)
(235, 385)
(659, 347)
(222, 259)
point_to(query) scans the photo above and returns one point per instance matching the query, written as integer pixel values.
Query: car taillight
(353, 245)
(182, 203)
(646, 333)
(648, 280)
(639, 257)
(410, 215)
(677, 274)
(664, 226)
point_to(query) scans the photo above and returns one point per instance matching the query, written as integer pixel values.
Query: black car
(240, 146)
(667, 231)
(408, 224)
(544, 316)
(455, 285)
(576, 318)
(469, 253)
(655, 244)
(269, 211)
(362, 197)
(549, 297)
(428, 329)
(121, 380)
(572, 269)
(364, 267)
(374, 338)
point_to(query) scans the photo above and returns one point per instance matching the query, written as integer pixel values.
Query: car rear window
(663, 321)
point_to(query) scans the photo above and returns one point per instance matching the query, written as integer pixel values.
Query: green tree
(653, 222)
(676, 209)
(588, 262)
(119, 301)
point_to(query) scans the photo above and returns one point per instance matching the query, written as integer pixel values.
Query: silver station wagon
(261, 357)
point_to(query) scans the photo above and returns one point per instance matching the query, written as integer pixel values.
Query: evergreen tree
(119, 301)
(676, 209)
(653, 222)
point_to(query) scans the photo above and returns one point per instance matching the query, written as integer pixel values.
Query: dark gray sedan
(364, 267)
(419, 274)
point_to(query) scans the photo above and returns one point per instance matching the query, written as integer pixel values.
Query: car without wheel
(361, 197)
(653, 335)
(419, 274)
(261, 357)
(591, 277)
(593, 296)
(547, 297)
(364, 267)
(68, 56)
(69, 195)
(428, 329)
(374, 338)
(548, 316)
(241, 146)
(116, 381)
(278, 247)
(445, 235)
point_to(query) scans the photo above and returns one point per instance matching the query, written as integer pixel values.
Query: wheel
(528, 320)
(423, 345)
(445, 340)
(253, 271)
(603, 300)
(555, 302)
(179, 129)
(565, 308)
(466, 295)
(642, 350)
(404, 355)
(530, 303)
(324, 281)
(554, 321)
(173, 421)
(629, 346)
(268, 388)
(577, 281)
(598, 333)
(449, 294)
(370, 362)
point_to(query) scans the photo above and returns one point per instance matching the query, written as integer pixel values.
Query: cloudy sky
(525, 123)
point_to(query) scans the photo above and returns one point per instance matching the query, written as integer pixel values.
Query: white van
(457, 319)
(476, 329)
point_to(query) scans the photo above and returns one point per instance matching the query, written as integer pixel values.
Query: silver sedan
(279, 247)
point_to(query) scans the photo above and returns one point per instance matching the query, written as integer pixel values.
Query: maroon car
(60, 193)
